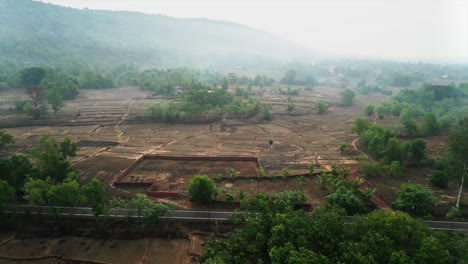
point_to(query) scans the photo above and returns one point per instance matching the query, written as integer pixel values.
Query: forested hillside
(35, 33)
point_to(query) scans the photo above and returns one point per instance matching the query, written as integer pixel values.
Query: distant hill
(36, 33)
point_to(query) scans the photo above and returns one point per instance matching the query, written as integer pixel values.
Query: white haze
(432, 30)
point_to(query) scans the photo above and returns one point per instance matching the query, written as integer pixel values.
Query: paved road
(176, 215)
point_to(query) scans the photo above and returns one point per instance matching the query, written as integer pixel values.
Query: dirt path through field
(361, 152)
(118, 128)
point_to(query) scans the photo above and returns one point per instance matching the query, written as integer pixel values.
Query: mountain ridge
(41, 33)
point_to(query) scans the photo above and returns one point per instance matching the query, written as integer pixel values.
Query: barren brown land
(113, 130)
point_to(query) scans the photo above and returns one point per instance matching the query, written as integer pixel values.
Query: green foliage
(414, 198)
(361, 125)
(270, 142)
(16, 170)
(261, 172)
(320, 106)
(68, 193)
(394, 150)
(289, 91)
(369, 110)
(225, 84)
(229, 197)
(233, 173)
(36, 191)
(370, 169)
(439, 178)
(286, 173)
(242, 195)
(202, 189)
(395, 170)
(5, 140)
(36, 107)
(63, 84)
(6, 192)
(276, 233)
(31, 76)
(203, 105)
(52, 158)
(347, 199)
(90, 79)
(343, 148)
(454, 213)
(429, 125)
(55, 101)
(458, 141)
(266, 111)
(395, 78)
(347, 97)
(288, 197)
(417, 150)
(95, 192)
(146, 207)
(293, 77)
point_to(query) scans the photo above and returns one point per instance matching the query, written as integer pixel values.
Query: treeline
(204, 104)
(272, 231)
(170, 81)
(45, 176)
(427, 110)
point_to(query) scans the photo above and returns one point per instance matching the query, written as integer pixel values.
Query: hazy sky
(399, 29)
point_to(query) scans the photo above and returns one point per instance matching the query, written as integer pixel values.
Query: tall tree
(458, 145)
(31, 76)
(347, 97)
(36, 96)
(394, 150)
(55, 100)
(94, 192)
(52, 158)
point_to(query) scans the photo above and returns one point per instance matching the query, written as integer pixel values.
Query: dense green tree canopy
(202, 189)
(414, 198)
(347, 97)
(273, 232)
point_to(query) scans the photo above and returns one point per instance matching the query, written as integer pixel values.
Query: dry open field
(70, 249)
(112, 132)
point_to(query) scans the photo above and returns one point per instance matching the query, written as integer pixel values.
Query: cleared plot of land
(83, 250)
(116, 116)
(170, 172)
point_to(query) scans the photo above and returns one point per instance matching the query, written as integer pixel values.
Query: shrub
(394, 170)
(242, 195)
(414, 198)
(439, 178)
(229, 197)
(369, 169)
(453, 213)
(202, 189)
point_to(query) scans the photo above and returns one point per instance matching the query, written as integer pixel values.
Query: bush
(202, 189)
(242, 195)
(229, 197)
(369, 169)
(439, 178)
(414, 198)
(394, 170)
(453, 213)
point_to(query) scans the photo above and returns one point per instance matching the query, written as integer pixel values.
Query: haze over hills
(36, 33)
